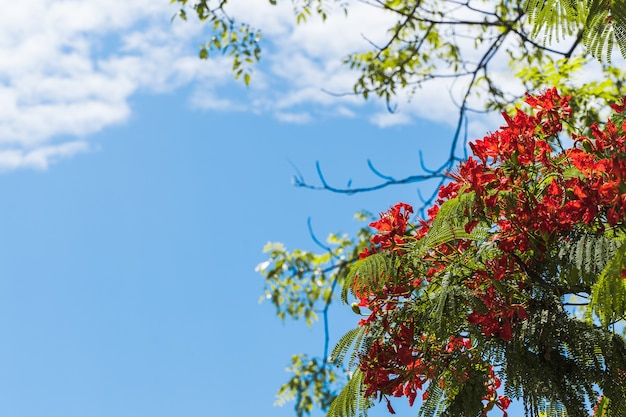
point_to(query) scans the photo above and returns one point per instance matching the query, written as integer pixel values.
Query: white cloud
(206, 99)
(344, 112)
(299, 118)
(69, 67)
(387, 119)
(41, 157)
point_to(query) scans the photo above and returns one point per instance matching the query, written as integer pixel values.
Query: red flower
(392, 225)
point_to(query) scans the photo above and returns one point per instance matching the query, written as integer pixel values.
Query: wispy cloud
(67, 69)
(41, 157)
(387, 119)
(298, 118)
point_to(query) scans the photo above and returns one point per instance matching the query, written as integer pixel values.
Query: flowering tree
(525, 238)
(514, 287)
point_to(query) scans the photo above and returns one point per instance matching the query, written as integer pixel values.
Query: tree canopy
(545, 43)
(511, 289)
(512, 285)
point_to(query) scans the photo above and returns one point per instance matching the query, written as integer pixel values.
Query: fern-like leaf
(448, 300)
(349, 342)
(434, 404)
(582, 260)
(602, 23)
(369, 274)
(351, 401)
(598, 34)
(608, 294)
(450, 223)
(555, 19)
(552, 409)
(605, 27)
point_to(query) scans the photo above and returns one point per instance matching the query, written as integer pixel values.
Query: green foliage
(608, 295)
(450, 307)
(555, 367)
(298, 281)
(370, 274)
(311, 385)
(467, 401)
(295, 281)
(300, 284)
(450, 225)
(537, 72)
(424, 42)
(556, 19)
(558, 359)
(351, 401)
(584, 257)
(600, 24)
(605, 27)
(558, 363)
(303, 10)
(434, 405)
(238, 40)
(553, 410)
(415, 49)
(351, 342)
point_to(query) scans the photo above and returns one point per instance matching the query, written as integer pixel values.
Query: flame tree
(513, 288)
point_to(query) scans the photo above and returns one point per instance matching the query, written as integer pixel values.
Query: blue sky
(128, 284)
(140, 184)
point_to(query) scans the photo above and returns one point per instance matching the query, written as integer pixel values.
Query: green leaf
(608, 294)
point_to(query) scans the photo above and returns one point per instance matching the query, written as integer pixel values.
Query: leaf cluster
(312, 384)
(238, 40)
(600, 24)
(301, 285)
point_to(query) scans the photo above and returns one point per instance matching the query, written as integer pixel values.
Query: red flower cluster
(392, 235)
(527, 196)
(530, 192)
(501, 313)
(400, 368)
(391, 228)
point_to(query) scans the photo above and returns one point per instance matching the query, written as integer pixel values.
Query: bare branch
(300, 182)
